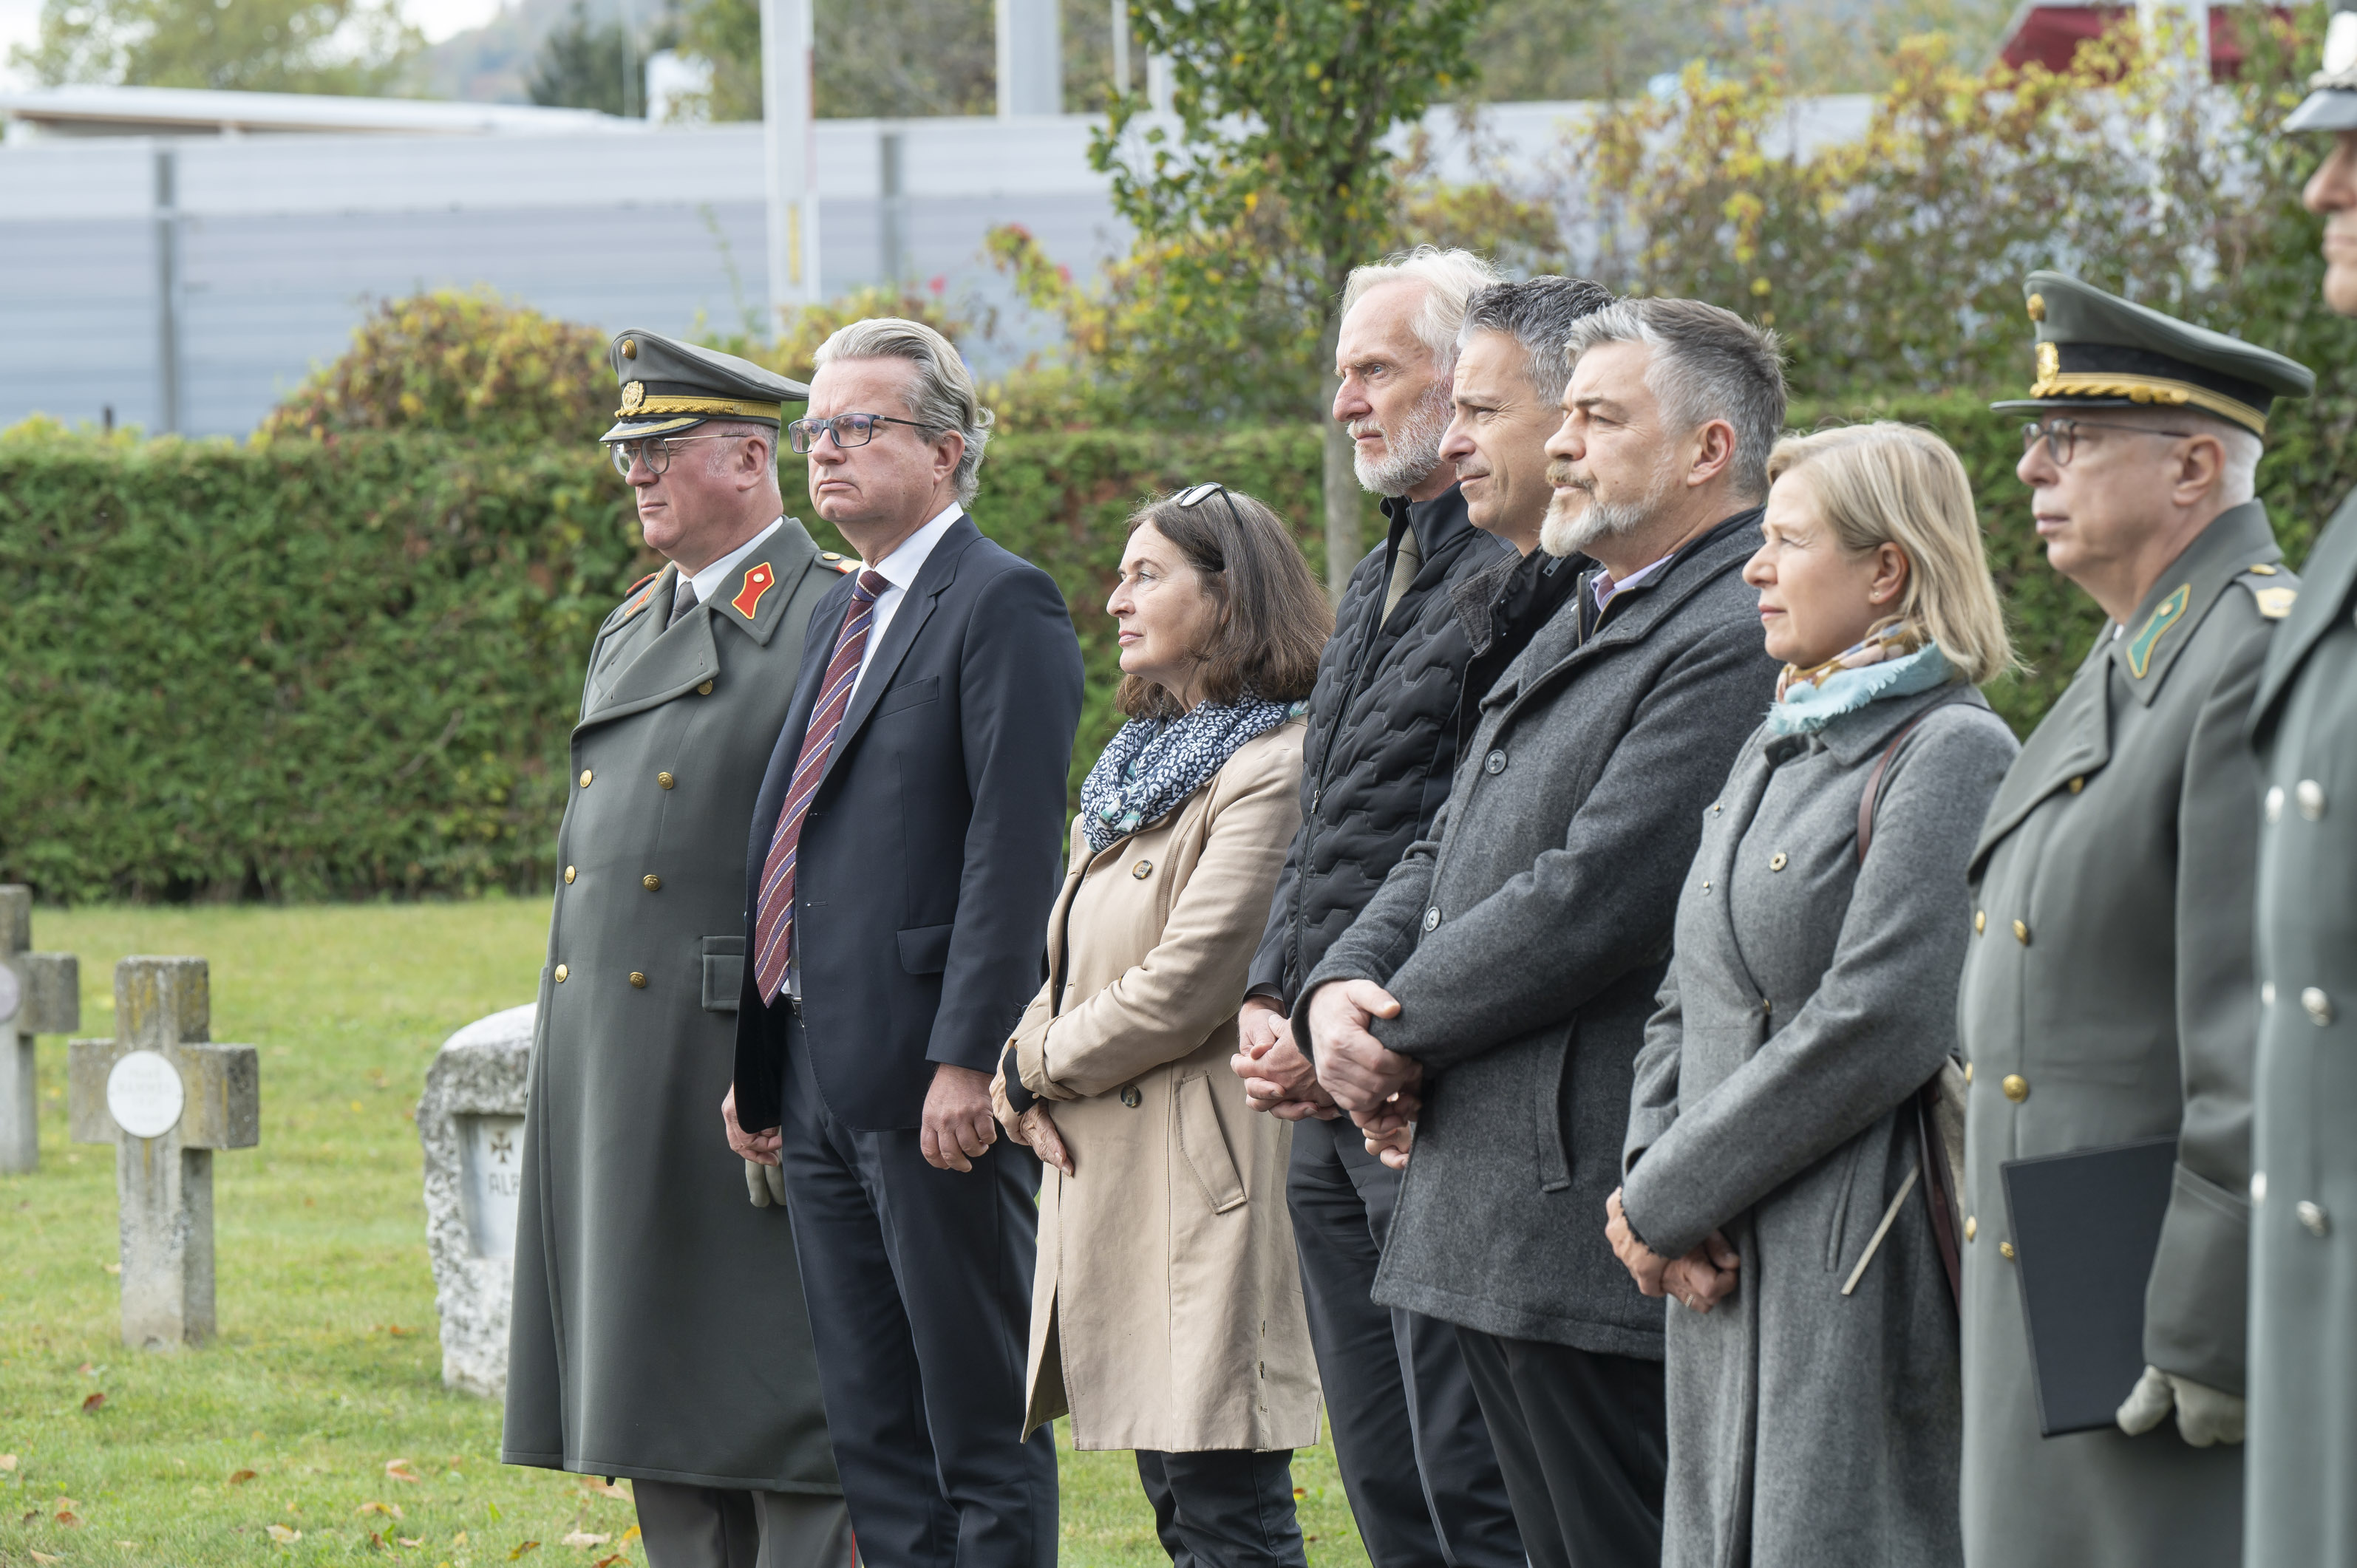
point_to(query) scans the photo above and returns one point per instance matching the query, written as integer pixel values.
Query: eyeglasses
(1196, 495)
(655, 452)
(2061, 436)
(848, 430)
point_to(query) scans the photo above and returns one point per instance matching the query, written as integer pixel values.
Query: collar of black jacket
(1514, 596)
(1436, 521)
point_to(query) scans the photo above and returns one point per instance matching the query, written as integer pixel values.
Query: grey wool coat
(2303, 1376)
(1808, 999)
(1526, 938)
(657, 1328)
(2107, 997)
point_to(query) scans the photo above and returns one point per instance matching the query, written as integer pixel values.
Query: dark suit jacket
(933, 846)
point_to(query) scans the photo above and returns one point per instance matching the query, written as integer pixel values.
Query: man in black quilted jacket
(1416, 1458)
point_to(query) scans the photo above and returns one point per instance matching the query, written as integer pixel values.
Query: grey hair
(1708, 363)
(746, 427)
(2238, 477)
(1450, 278)
(1537, 313)
(942, 398)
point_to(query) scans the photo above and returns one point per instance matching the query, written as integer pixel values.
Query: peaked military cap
(2098, 350)
(669, 386)
(2331, 102)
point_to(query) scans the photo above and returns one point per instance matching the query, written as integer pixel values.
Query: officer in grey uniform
(658, 1329)
(2107, 994)
(2303, 1384)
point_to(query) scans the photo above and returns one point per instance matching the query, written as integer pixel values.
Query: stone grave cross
(165, 1098)
(40, 993)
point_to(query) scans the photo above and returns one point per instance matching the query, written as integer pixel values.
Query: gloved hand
(767, 1183)
(2204, 1415)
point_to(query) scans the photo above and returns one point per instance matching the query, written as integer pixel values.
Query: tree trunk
(1344, 537)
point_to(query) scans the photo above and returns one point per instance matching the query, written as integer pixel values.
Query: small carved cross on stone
(165, 1098)
(40, 993)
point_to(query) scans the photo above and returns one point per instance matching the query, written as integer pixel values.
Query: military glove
(2204, 1415)
(767, 1183)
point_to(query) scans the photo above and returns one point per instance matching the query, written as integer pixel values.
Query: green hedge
(345, 669)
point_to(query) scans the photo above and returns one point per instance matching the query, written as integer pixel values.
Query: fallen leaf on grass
(44, 1559)
(7, 1461)
(397, 1331)
(128, 1546)
(281, 1534)
(459, 1539)
(1300, 1491)
(112, 1268)
(605, 1489)
(30, 1515)
(400, 1470)
(376, 1541)
(627, 1536)
(390, 1509)
(406, 1540)
(608, 1562)
(92, 1402)
(240, 1477)
(522, 1547)
(67, 1517)
(583, 1538)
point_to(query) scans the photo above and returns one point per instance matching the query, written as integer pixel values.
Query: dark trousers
(919, 1283)
(1224, 1508)
(1414, 1452)
(720, 1527)
(1584, 1441)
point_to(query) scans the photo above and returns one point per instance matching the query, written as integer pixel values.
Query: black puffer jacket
(1383, 737)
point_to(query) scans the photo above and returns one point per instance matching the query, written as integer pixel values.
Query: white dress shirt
(710, 581)
(899, 570)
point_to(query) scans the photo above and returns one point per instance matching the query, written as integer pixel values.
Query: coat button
(2258, 1186)
(1777, 862)
(2078, 784)
(1432, 918)
(1130, 1096)
(2275, 803)
(1494, 764)
(585, 776)
(2005, 1249)
(1980, 921)
(568, 876)
(561, 973)
(1705, 884)
(666, 779)
(1968, 1072)
(2016, 1087)
(638, 980)
(1142, 870)
(1713, 808)
(1972, 1227)
(651, 883)
(705, 690)
(2317, 1005)
(2310, 796)
(2021, 933)
(2313, 1215)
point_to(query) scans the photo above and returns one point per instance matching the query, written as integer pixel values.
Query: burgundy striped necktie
(773, 923)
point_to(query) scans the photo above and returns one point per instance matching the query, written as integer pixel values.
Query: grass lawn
(317, 1428)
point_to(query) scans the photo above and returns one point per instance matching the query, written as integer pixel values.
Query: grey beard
(1415, 448)
(1567, 532)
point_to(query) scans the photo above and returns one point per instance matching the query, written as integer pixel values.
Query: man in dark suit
(904, 853)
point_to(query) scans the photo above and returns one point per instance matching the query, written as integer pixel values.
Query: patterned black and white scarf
(1153, 765)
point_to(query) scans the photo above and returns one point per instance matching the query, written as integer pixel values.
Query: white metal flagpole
(787, 113)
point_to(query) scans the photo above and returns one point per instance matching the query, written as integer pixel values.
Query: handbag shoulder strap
(1872, 799)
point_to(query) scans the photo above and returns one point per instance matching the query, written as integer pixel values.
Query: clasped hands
(1354, 1072)
(1701, 1279)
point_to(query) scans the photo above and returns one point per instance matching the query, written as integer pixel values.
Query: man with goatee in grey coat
(1495, 991)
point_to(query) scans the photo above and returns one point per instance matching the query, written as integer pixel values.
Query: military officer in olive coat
(658, 1329)
(2303, 1385)
(2107, 994)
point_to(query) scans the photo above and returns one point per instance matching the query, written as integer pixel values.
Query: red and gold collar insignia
(759, 580)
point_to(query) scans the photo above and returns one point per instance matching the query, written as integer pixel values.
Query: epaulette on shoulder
(2274, 589)
(832, 558)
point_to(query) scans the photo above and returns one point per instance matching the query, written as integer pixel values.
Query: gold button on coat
(638, 980)
(652, 883)
(2021, 933)
(2016, 1087)
(585, 776)
(2078, 784)
(1777, 862)
(1142, 870)
(2275, 803)
(568, 876)
(666, 779)
(2317, 1005)
(561, 973)
(1968, 1072)
(1972, 1227)
(2313, 1215)
(705, 690)
(2310, 796)
(1130, 1097)
(2005, 1249)
(1980, 921)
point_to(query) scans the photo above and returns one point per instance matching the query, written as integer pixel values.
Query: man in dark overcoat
(2107, 996)
(657, 1328)
(2301, 1507)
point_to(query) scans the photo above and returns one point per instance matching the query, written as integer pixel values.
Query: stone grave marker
(470, 1120)
(40, 993)
(165, 1096)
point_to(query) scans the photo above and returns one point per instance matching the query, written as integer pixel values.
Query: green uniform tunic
(2303, 1410)
(2107, 996)
(659, 1328)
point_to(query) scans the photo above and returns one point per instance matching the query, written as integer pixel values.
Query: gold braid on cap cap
(721, 407)
(2148, 389)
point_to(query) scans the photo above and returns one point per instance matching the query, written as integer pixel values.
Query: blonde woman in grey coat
(1773, 1181)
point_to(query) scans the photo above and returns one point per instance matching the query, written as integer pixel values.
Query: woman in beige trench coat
(1166, 1312)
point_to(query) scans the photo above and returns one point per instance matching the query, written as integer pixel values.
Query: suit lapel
(916, 607)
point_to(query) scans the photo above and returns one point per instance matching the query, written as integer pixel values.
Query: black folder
(2085, 1226)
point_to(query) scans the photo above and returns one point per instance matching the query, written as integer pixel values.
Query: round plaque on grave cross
(12, 995)
(144, 1096)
